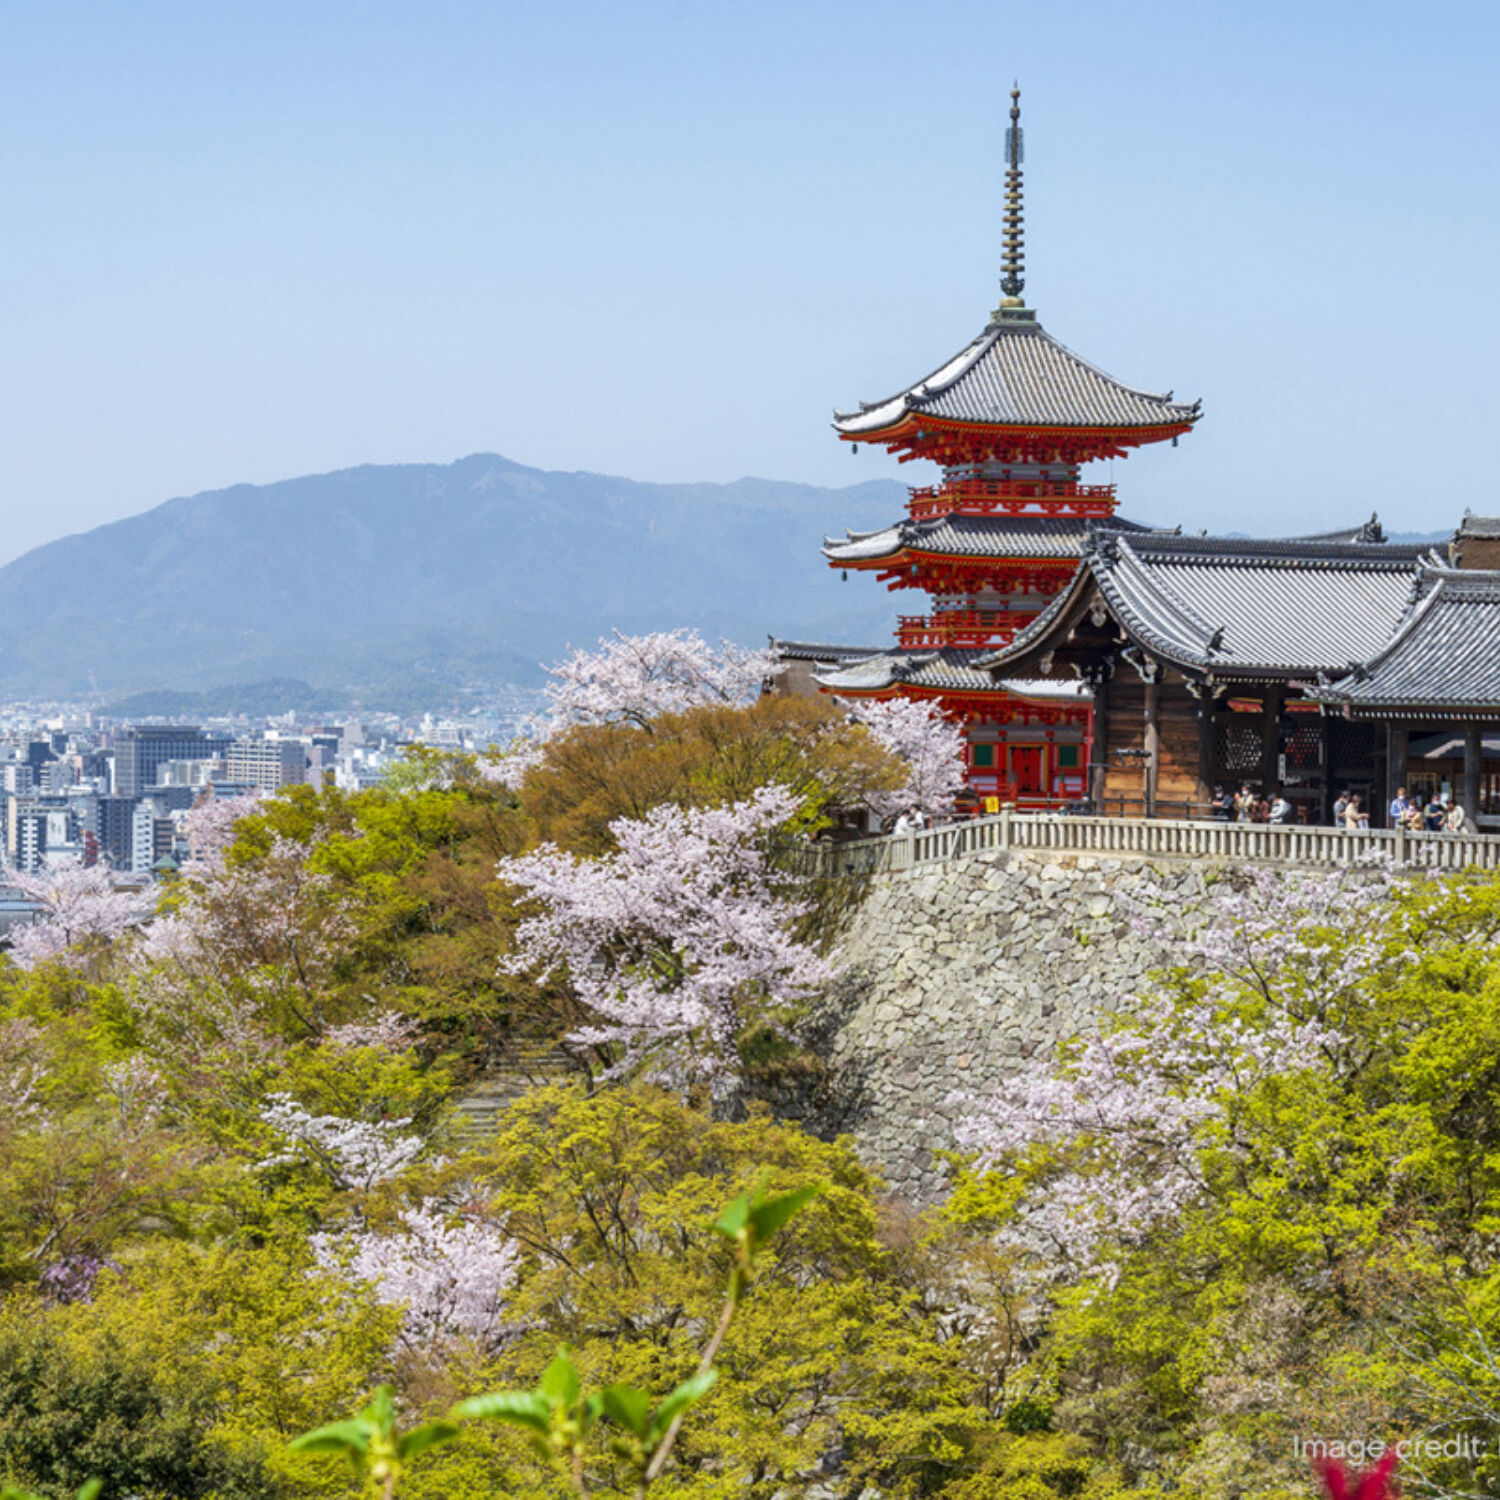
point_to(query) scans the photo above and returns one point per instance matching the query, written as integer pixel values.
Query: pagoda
(1011, 420)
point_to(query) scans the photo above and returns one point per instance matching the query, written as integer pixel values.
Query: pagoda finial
(1013, 262)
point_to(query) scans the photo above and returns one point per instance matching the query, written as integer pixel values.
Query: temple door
(1026, 770)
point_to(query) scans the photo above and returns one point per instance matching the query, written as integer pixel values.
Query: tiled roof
(971, 536)
(1473, 525)
(1445, 655)
(819, 651)
(951, 670)
(1232, 606)
(1016, 374)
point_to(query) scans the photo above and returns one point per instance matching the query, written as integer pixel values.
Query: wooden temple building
(1313, 665)
(1012, 419)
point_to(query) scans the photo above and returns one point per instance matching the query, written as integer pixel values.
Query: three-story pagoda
(1011, 419)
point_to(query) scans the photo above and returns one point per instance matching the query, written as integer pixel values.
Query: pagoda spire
(1013, 262)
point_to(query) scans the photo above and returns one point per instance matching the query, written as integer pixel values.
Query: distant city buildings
(142, 748)
(75, 788)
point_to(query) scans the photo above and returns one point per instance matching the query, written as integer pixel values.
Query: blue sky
(248, 241)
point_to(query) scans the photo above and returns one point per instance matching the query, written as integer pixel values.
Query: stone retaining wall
(956, 972)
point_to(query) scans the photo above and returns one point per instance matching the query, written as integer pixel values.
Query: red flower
(1374, 1485)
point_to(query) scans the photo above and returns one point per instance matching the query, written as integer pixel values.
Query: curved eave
(976, 561)
(900, 689)
(1409, 708)
(922, 436)
(1050, 693)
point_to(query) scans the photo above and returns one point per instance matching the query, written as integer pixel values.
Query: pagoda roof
(1015, 374)
(1039, 537)
(1444, 655)
(950, 670)
(819, 651)
(1230, 606)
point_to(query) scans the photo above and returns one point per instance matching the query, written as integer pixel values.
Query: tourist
(1281, 809)
(903, 826)
(1244, 804)
(1398, 808)
(1457, 820)
(1222, 806)
(1434, 813)
(1355, 818)
(1340, 807)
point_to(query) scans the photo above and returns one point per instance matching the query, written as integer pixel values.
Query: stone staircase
(525, 1067)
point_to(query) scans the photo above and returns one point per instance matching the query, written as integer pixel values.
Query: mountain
(385, 580)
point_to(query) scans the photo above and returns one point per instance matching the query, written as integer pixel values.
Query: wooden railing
(985, 497)
(1240, 843)
(962, 627)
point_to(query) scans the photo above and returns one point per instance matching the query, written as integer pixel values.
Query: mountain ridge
(423, 575)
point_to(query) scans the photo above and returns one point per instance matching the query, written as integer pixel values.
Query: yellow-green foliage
(614, 1196)
(1041, 1466)
(704, 757)
(223, 1355)
(1336, 1273)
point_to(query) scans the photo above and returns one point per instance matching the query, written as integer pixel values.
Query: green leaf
(686, 1395)
(349, 1436)
(519, 1408)
(382, 1410)
(766, 1218)
(734, 1218)
(560, 1380)
(428, 1435)
(90, 1491)
(629, 1407)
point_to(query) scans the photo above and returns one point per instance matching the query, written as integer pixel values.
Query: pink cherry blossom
(930, 743)
(448, 1274)
(1131, 1108)
(633, 678)
(675, 940)
(386, 1032)
(22, 1071)
(79, 905)
(209, 826)
(352, 1153)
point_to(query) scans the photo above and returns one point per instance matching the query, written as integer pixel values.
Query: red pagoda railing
(988, 497)
(963, 627)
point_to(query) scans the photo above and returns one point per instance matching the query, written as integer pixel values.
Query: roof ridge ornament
(1013, 261)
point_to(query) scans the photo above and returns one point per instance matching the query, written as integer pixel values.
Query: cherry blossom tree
(1128, 1114)
(80, 909)
(210, 1034)
(209, 827)
(675, 940)
(351, 1153)
(275, 925)
(633, 678)
(243, 965)
(449, 1274)
(386, 1032)
(930, 743)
